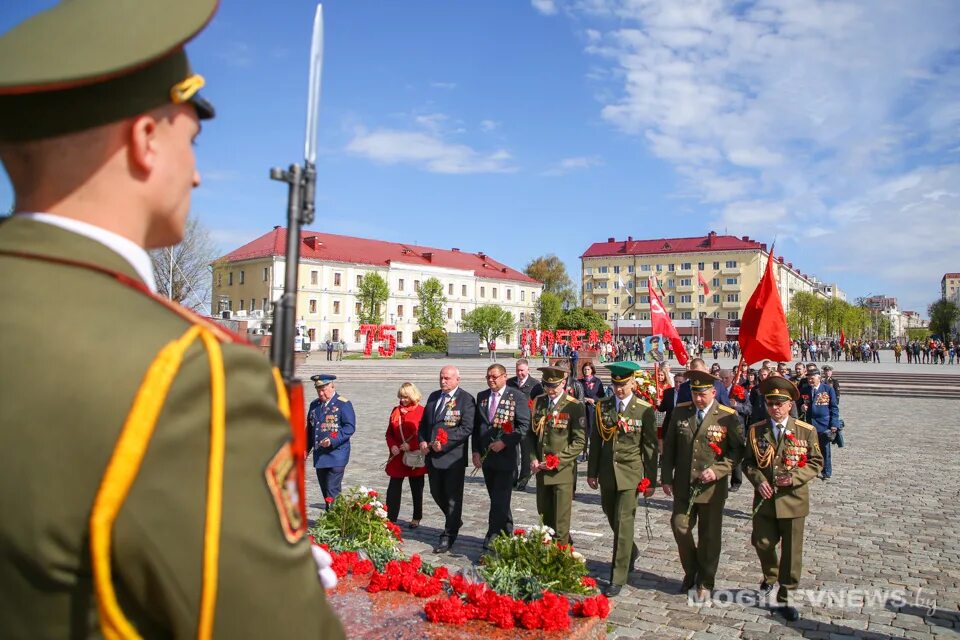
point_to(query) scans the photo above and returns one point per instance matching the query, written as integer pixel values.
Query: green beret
(552, 376)
(622, 371)
(779, 388)
(700, 380)
(87, 63)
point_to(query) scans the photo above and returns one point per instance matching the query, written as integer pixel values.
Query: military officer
(331, 421)
(556, 437)
(819, 408)
(704, 443)
(623, 451)
(170, 506)
(782, 456)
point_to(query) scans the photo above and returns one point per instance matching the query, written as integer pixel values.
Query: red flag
(660, 325)
(703, 283)
(843, 338)
(763, 329)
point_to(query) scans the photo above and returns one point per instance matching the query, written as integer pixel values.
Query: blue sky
(521, 127)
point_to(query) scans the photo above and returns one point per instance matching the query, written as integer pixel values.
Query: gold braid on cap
(763, 460)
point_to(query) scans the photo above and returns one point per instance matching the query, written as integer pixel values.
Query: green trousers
(555, 504)
(620, 507)
(767, 532)
(702, 557)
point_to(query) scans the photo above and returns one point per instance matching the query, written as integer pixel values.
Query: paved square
(881, 545)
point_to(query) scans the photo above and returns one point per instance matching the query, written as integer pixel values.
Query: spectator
(406, 460)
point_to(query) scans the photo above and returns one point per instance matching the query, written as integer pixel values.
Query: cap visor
(204, 107)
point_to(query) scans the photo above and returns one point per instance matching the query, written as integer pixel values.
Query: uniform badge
(281, 479)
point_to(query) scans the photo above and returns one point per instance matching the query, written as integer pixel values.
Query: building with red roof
(247, 280)
(950, 287)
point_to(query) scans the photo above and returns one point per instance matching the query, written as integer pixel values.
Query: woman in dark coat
(592, 391)
(402, 437)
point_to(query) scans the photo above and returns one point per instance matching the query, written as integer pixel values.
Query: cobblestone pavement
(881, 557)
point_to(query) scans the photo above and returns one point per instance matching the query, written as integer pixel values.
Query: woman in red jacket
(405, 461)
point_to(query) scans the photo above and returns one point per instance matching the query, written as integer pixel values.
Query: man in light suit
(452, 409)
(502, 420)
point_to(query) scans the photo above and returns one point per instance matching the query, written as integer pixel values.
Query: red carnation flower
(362, 568)
(507, 427)
(588, 582)
(328, 500)
(441, 573)
(372, 494)
(530, 404)
(716, 448)
(802, 462)
(442, 437)
(552, 461)
(790, 437)
(519, 532)
(643, 486)
(367, 507)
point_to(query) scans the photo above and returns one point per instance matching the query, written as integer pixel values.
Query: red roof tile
(334, 248)
(709, 242)
(950, 275)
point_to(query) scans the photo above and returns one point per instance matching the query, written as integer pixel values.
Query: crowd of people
(774, 424)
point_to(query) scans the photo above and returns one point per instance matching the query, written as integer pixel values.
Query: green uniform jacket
(76, 347)
(687, 452)
(561, 432)
(631, 454)
(793, 501)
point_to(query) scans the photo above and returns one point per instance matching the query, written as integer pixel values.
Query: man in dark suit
(683, 391)
(502, 420)
(667, 404)
(529, 387)
(451, 409)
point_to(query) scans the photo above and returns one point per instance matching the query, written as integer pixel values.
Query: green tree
(551, 271)
(944, 314)
(549, 310)
(808, 314)
(489, 322)
(373, 296)
(918, 334)
(580, 318)
(431, 304)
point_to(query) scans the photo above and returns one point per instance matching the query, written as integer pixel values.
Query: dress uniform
(149, 486)
(330, 424)
(822, 411)
(783, 456)
(623, 451)
(694, 437)
(557, 428)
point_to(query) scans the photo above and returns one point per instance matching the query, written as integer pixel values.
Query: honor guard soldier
(704, 442)
(331, 421)
(556, 438)
(623, 451)
(783, 455)
(169, 507)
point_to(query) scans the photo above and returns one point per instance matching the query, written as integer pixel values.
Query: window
(716, 265)
(685, 265)
(253, 304)
(686, 298)
(716, 298)
(629, 299)
(450, 289)
(356, 335)
(731, 264)
(602, 284)
(644, 315)
(313, 306)
(523, 295)
(731, 281)
(733, 297)
(399, 310)
(589, 271)
(630, 269)
(629, 284)
(616, 299)
(716, 314)
(219, 279)
(670, 283)
(241, 276)
(602, 270)
(399, 336)
(659, 268)
(700, 266)
(400, 284)
(685, 282)
(644, 299)
(449, 312)
(463, 290)
(336, 306)
(670, 267)
(715, 282)
(266, 274)
(616, 268)
(686, 315)
(671, 299)
(336, 280)
(494, 293)
(616, 285)
(416, 285)
(509, 294)
(483, 292)
(463, 313)
(264, 307)
(589, 286)
(336, 335)
(416, 312)
(642, 283)
(357, 309)
(230, 279)
(701, 298)
(644, 267)
(314, 276)
(242, 307)
(672, 315)
(733, 315)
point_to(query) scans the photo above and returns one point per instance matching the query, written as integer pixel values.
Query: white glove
(328, 578)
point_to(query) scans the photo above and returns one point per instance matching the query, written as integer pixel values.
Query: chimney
(611, 239)
(763, 247)
(629, 238)
(457, 249)
(745, 238)
(711, 238)
(780, 259)
(482, 255)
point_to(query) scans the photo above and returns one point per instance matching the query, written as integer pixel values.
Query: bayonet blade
(313, 96)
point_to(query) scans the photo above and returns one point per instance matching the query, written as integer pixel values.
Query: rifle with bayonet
(302, 186)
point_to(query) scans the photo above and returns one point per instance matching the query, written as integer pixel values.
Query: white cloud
(427, 151)
(488, 125)
(444, 85)
(576, 163)
(546, 7)
(432, 121)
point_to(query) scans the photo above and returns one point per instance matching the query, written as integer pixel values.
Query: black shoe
(444, 546)
(789, 613)
(687, 584)
(521, 485)
(735, 487)
(612, 590)
(486, 543)
(765, 587)
(824, 478)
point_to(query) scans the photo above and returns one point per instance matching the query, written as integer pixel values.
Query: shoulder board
(757, 423)
(644, 403)
(572, 399)
(684, 404)
(804, 425)
(343, 399)
(725, 408)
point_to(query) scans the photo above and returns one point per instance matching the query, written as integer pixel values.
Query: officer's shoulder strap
(571, 398)
(724, 408)
(342, 398)
(644, 403)
(804, 425)
(684, 404)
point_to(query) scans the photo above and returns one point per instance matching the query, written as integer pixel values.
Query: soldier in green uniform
(783, 455)
(622, 453)
(149, 482)
(557, 436)
(704, 442)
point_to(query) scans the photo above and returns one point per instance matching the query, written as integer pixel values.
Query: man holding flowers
(623, 453)
(704, 443)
